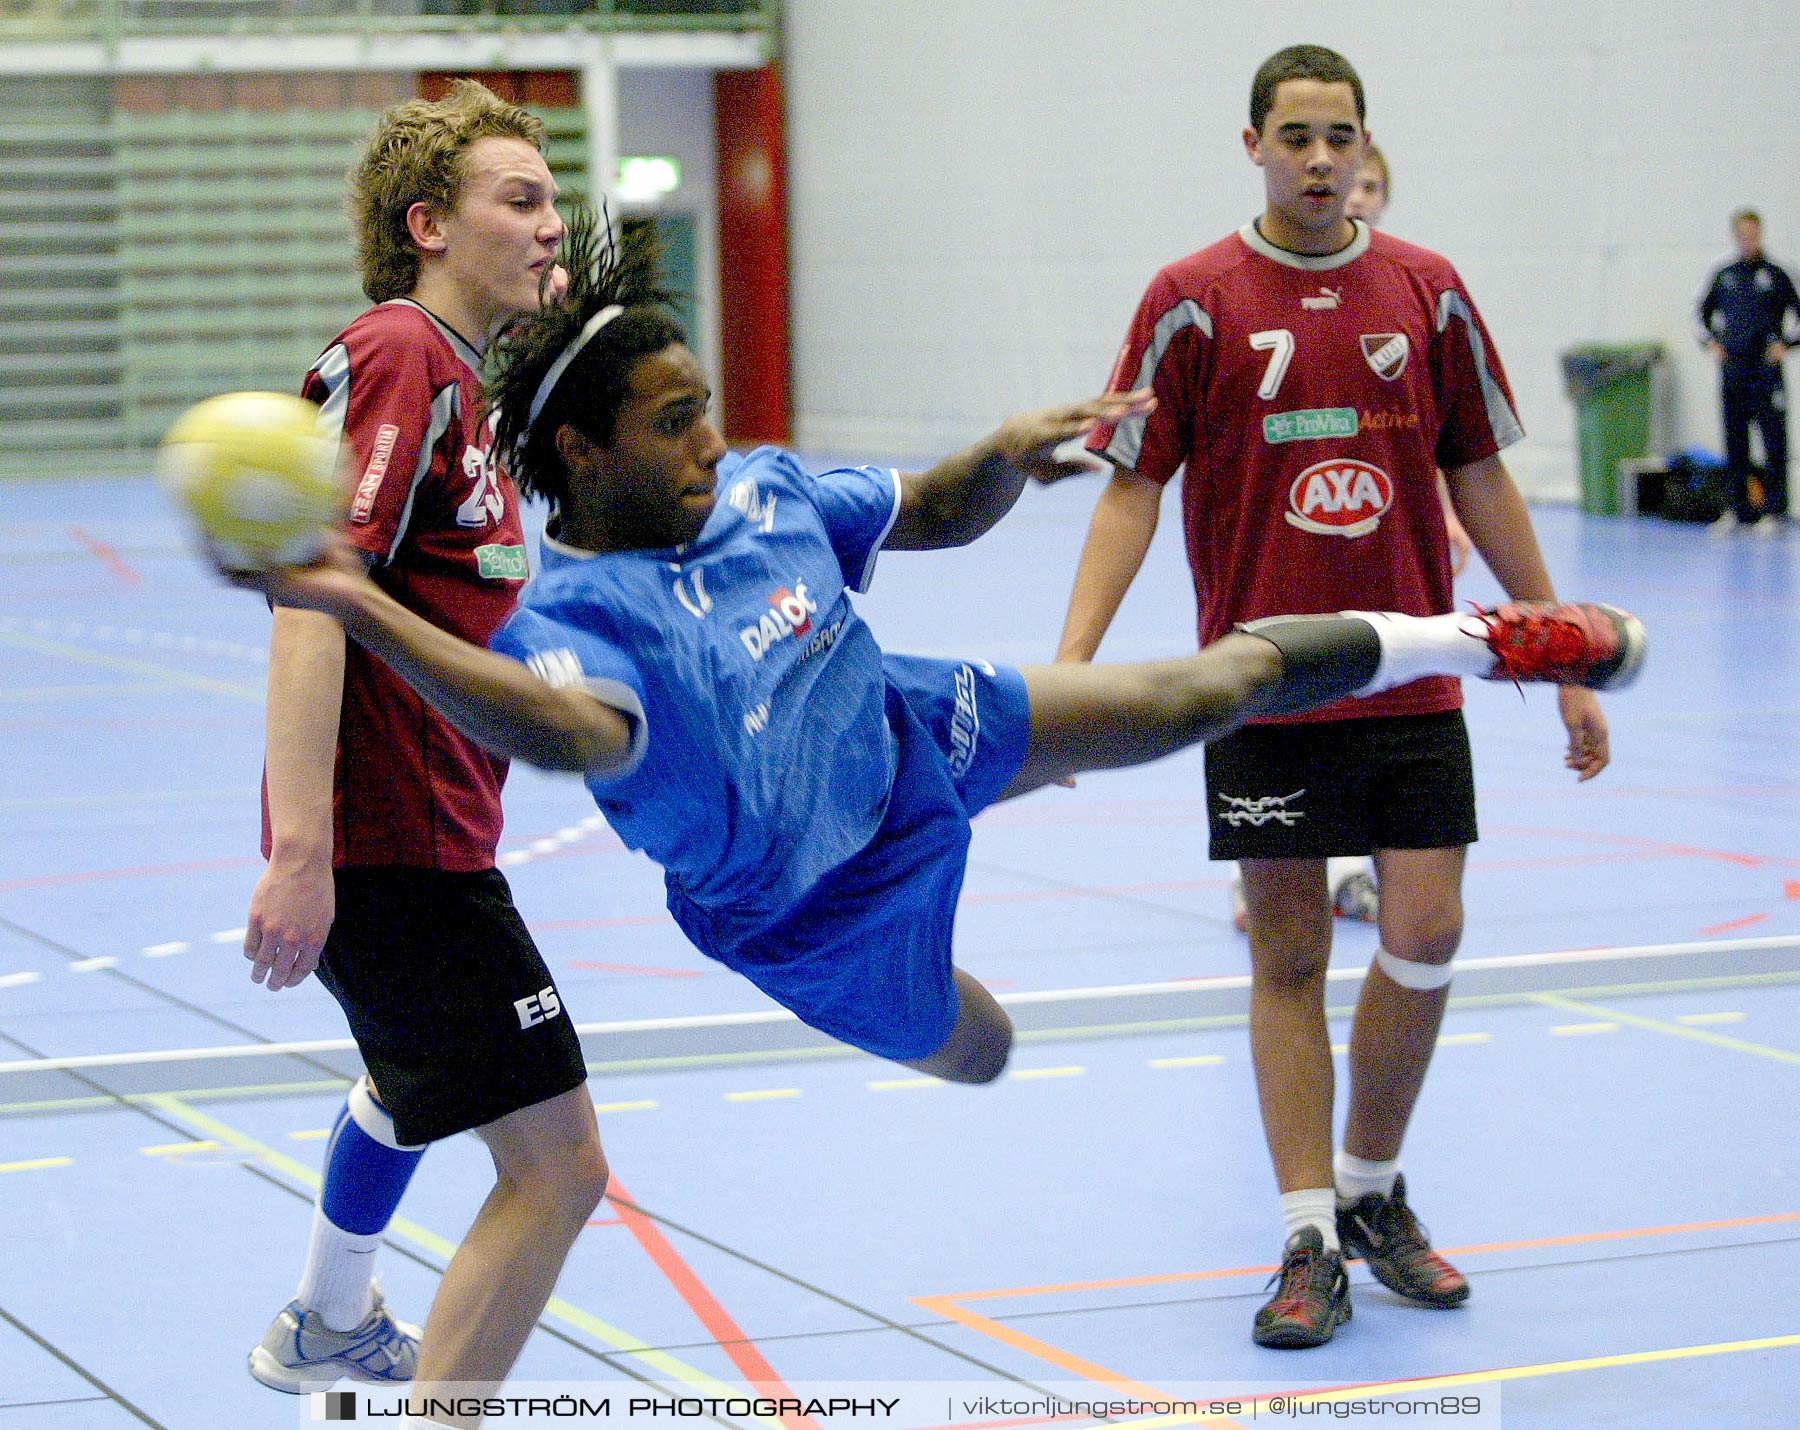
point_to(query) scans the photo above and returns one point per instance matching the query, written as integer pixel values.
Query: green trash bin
(1610, 386)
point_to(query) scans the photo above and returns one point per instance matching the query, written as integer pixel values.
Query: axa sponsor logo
(790, 614)
(1325, 298)
(1256, 810)
(362, 505)
(1339, 497)
(1386, 354)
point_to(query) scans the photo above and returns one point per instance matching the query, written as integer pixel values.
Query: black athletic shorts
(451, 1006)
(1310, 791)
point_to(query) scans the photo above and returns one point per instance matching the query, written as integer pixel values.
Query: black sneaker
(1384, 1232)
(1313, 1299)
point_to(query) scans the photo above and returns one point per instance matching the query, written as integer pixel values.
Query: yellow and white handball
(257, 475)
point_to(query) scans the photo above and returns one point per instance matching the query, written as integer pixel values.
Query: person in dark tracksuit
(1750, 317)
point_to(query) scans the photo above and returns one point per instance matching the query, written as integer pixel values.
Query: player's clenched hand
(1029, 441)
(329, 584)
(1590, 747)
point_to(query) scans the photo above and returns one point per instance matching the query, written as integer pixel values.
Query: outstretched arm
(492, 699)
(964, 495)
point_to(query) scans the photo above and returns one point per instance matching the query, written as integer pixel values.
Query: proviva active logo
(1314, 422)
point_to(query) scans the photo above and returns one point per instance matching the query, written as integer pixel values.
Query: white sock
(337, 1280)
(1312, 1206)
(1341, 866)
(1356, 1178)
(1416, 646)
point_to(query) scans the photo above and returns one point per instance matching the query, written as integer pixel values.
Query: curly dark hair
(604, 270)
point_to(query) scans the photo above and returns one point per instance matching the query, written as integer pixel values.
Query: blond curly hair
(415, 155)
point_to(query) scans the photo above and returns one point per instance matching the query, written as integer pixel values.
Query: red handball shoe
(1600, 647)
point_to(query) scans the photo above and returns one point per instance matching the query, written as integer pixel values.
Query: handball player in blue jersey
(689, 647)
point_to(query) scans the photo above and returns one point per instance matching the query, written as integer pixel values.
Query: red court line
(717, 1320)
(1653, 846)
(107, 557)
(1577, 1239)
(1731, 924)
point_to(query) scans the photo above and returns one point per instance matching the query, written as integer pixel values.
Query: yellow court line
(134, 667)
(762, 1094)
(1582, 1030)
(947, 1307)
(419, 1236)
(1210, 1060)
(1657, 1025)
(37, 1165)
(905, 1084)
(1026, 1074)
(1557, 1367)
(176, 1148)
(624, 1106)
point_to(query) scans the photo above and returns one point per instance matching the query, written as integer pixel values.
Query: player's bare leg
(1396, 1028)
(979, 1043)
(1398, 1015)
(1100, 717)
(550, 1175)
(1289, 925)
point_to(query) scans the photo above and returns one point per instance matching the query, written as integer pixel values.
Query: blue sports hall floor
(1607, 1143)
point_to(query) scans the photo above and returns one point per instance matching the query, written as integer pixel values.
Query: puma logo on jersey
(1339, 497)
(1325, 298)
(540, 1007)
(790, 614)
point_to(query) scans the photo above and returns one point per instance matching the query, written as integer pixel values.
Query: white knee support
(1420, 977)
(375, 1119)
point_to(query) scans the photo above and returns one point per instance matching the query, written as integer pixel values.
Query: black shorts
(450, 1003)
(1310, 791)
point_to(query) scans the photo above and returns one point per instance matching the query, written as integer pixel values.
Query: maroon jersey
(439, 523)
(1312, 402)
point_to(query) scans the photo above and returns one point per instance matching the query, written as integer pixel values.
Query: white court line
(1573, 956)
(1463, 965)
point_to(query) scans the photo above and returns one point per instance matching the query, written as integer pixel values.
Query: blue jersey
(762, 754)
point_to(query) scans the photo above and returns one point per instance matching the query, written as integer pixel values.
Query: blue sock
(366, 1174)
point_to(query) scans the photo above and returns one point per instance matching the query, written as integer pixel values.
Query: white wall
(670, 112)
(981, 188)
